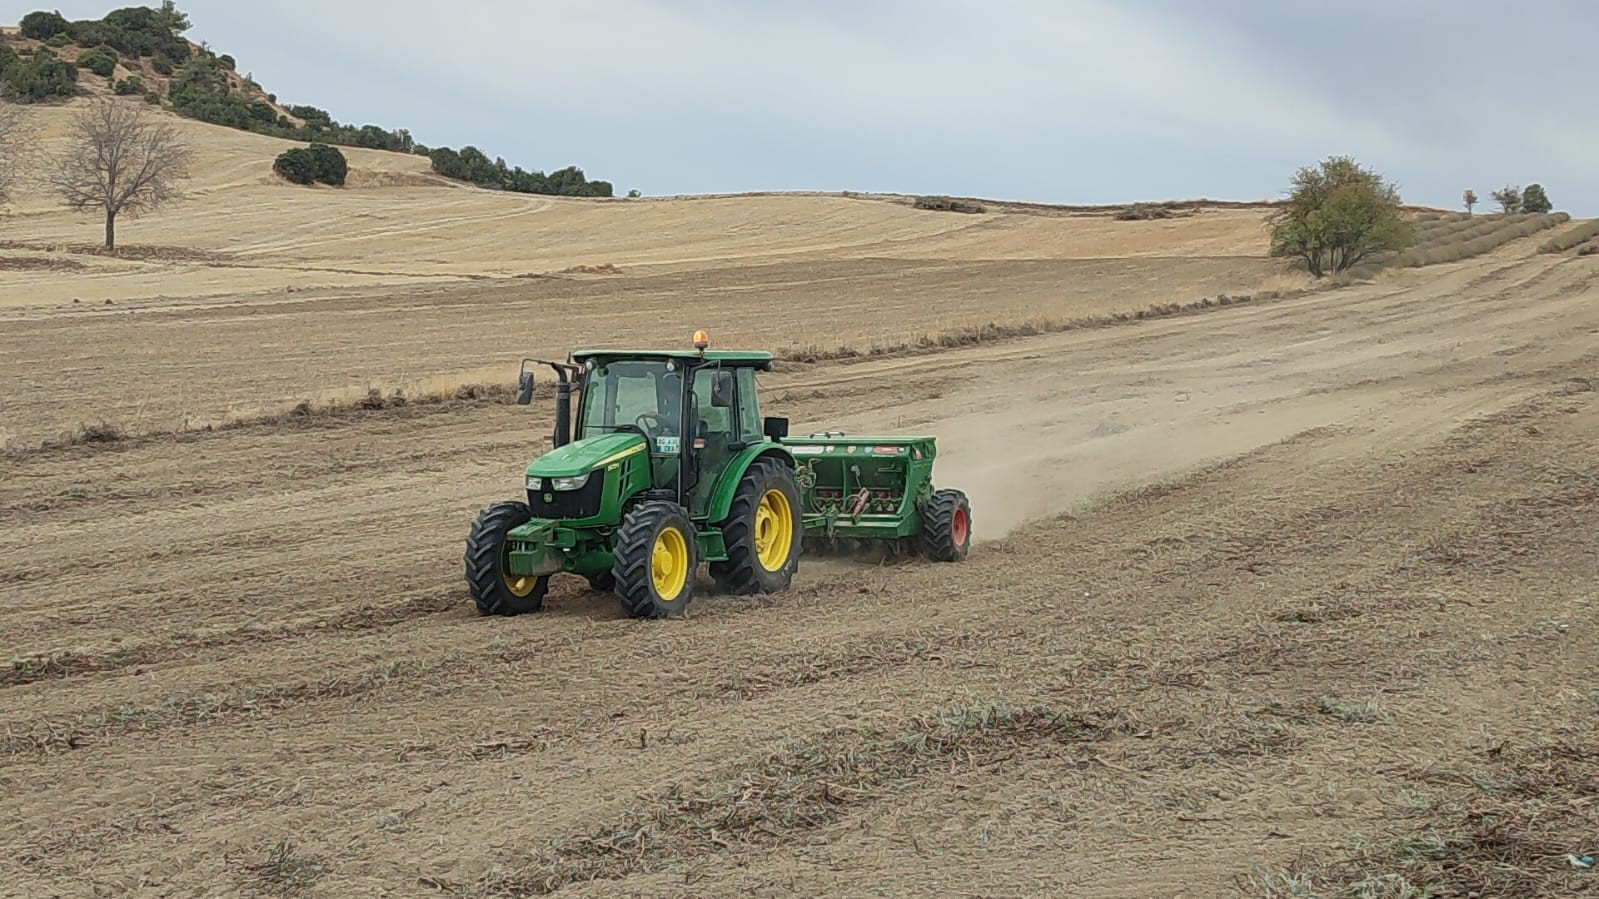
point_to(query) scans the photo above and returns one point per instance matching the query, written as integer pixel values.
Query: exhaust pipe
(563, 412)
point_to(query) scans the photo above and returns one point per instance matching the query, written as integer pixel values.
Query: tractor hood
(585, 456)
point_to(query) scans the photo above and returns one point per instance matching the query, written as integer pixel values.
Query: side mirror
(775, 428)
(524, 389)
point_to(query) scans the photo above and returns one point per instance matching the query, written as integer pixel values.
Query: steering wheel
(644, 420)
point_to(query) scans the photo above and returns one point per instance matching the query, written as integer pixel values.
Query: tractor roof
(730, 357)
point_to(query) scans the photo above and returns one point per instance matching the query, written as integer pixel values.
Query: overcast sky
(1075, 101)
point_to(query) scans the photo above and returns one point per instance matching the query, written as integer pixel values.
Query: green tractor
(666, 462)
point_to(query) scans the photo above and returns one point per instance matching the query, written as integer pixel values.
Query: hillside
(141, 52)
(242, 229)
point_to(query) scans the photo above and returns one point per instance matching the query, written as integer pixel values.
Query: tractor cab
(692, 413)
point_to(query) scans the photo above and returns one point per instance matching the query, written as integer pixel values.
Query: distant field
(255, 294)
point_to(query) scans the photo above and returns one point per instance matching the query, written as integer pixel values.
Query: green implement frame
(863, 487)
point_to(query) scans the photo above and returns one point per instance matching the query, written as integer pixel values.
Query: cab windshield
(632, 395)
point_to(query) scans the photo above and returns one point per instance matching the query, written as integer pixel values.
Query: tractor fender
(722, 498)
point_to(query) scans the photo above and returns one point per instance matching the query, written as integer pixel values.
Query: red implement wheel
(947, 526)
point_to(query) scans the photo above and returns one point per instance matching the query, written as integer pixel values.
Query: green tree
(1535, 200)
(1508, 198)
(171, 19)
(42, 26)
(1338, 214)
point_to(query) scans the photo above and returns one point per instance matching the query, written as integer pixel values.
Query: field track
(1260, 581)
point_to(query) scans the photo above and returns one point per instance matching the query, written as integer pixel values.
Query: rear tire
(494, 590)
(947, 526)
(656, 559)
(764, 532)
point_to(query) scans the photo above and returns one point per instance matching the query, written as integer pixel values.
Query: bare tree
(1470, 199)
(120, 159)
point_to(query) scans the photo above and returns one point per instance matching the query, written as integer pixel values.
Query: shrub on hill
(135, 31)
(102, 61)
(329, 165)
(42, 76)
(1143, 212)
(948, 204)
(296, 166)
(318, 163)
(1565, 240)
(473, 165)
(129, 86)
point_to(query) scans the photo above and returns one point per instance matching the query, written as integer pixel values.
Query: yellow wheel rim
(669, 563)
(774, 530)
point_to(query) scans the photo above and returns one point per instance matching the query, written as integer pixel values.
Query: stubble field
(1288, 594)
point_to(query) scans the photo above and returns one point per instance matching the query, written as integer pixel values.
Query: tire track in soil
(1075, 675)
(1284, 486)
(674, 830)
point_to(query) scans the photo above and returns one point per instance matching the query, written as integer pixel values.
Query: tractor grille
(567, 504)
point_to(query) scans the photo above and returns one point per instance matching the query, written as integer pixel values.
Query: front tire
(947, 526)
(494, 590)
(763, 532)
(656, 557)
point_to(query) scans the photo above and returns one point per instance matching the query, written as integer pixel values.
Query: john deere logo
(549, 497)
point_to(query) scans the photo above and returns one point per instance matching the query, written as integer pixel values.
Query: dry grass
(283, 870)
(1509, 832)
(988, 332)
(804, 786)
(1571, 237)
(1452, 238)
(55, 736)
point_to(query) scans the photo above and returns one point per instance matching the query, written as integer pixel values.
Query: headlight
(565, 484)
(535, 484)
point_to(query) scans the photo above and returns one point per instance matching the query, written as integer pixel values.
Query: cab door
(715, 437)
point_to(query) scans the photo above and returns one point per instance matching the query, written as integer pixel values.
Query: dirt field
(1293, 595)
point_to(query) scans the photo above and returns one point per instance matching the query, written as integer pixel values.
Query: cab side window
(749, 410)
